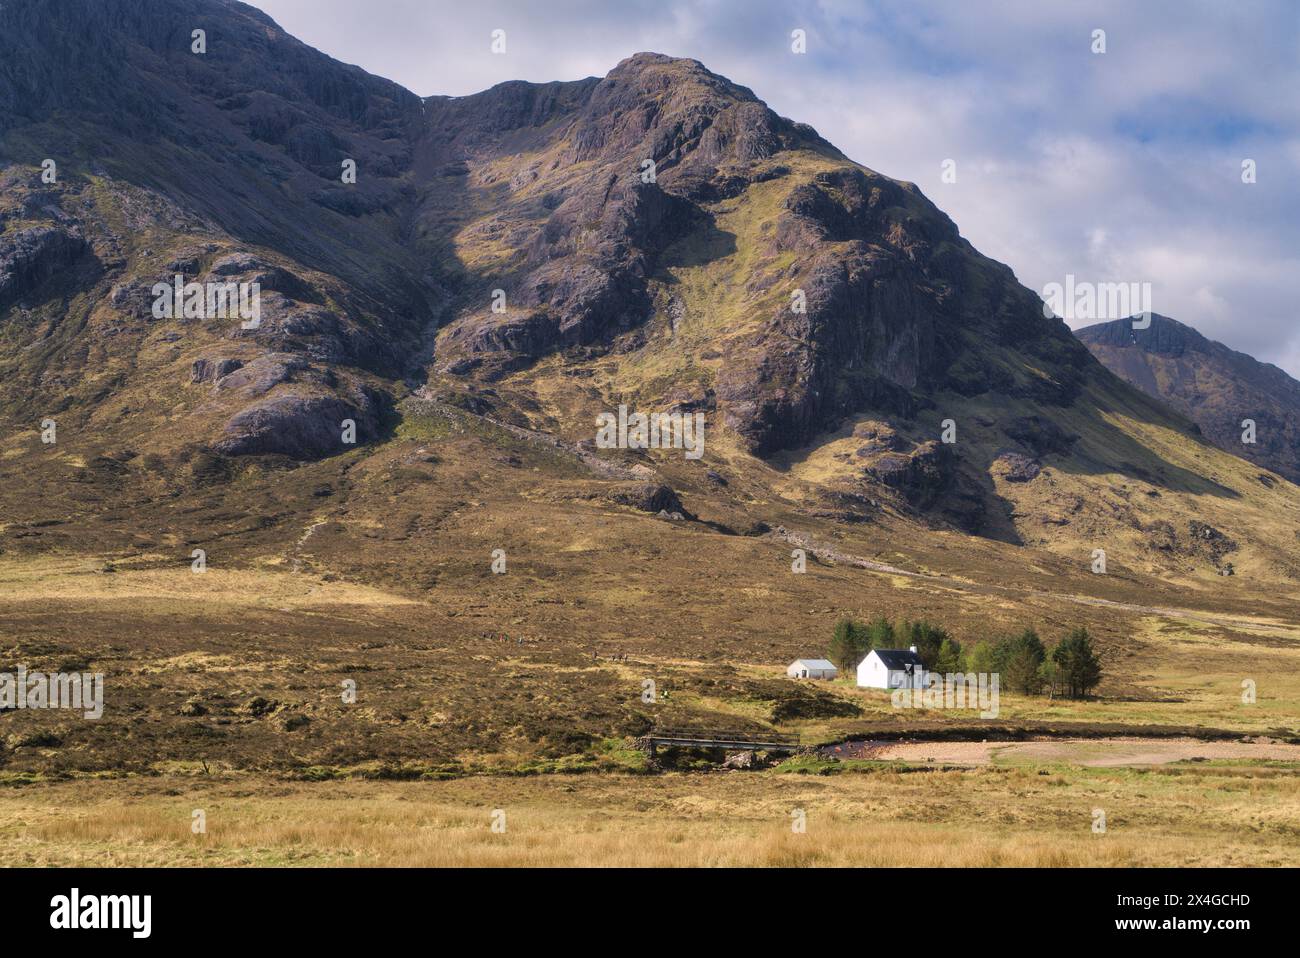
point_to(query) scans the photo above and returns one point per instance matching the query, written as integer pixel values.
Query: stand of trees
(1072, 668)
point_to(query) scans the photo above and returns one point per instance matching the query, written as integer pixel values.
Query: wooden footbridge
(728, 741)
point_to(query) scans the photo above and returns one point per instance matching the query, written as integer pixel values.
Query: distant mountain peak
(1163, 335)
(1213, 385)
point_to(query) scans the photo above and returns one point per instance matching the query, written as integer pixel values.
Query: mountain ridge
(671, 292)
(1213, 385)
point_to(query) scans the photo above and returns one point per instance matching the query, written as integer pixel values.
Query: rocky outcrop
(1013, 467)
(591, 241)
(1210, 542)
(30, 256)
(894, 300)
(877, 437)
(647, 497)
(1200, 542)
(585, 277)
(654, 498)
(210, 370)
(921, 475)
(301, 426)
(133, 299)
(258, 377)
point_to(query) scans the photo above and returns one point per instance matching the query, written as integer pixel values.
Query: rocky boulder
(877, 437)
(210, 370)
(920, 475)
(1013, 467)
(1209, 541)
(261, 375)
(740, 760)
(301, 426)
(647, 497)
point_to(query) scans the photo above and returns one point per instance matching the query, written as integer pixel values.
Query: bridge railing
(707, 735)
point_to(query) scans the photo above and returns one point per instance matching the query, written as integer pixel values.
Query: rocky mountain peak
(1216, 387)
(1163, 335)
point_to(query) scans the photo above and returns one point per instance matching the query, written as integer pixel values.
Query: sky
(1116, 166)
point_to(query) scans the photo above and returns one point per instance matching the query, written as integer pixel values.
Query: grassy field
(869, 814)
(243, 668)
(223, 697)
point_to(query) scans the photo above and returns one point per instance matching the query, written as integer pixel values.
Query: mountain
(506, 267)
(497, 585)
(1212, 385)
(746, 204)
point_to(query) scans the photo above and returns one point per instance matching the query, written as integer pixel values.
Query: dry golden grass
(1041, 816)
(85, 579)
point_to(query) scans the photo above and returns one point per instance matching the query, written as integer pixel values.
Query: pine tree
(927, 638)
(981, 658)
(1050, 675)
(949, 659)
(880, 635)
(848, 644)
(1078, 663)
(1018, 660)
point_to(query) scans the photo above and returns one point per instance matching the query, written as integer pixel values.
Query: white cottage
(812, 669)
(892, 669)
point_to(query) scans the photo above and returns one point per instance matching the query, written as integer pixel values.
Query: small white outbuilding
(812, 669)
(892, 669)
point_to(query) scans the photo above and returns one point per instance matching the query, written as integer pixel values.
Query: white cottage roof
(814, 663)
